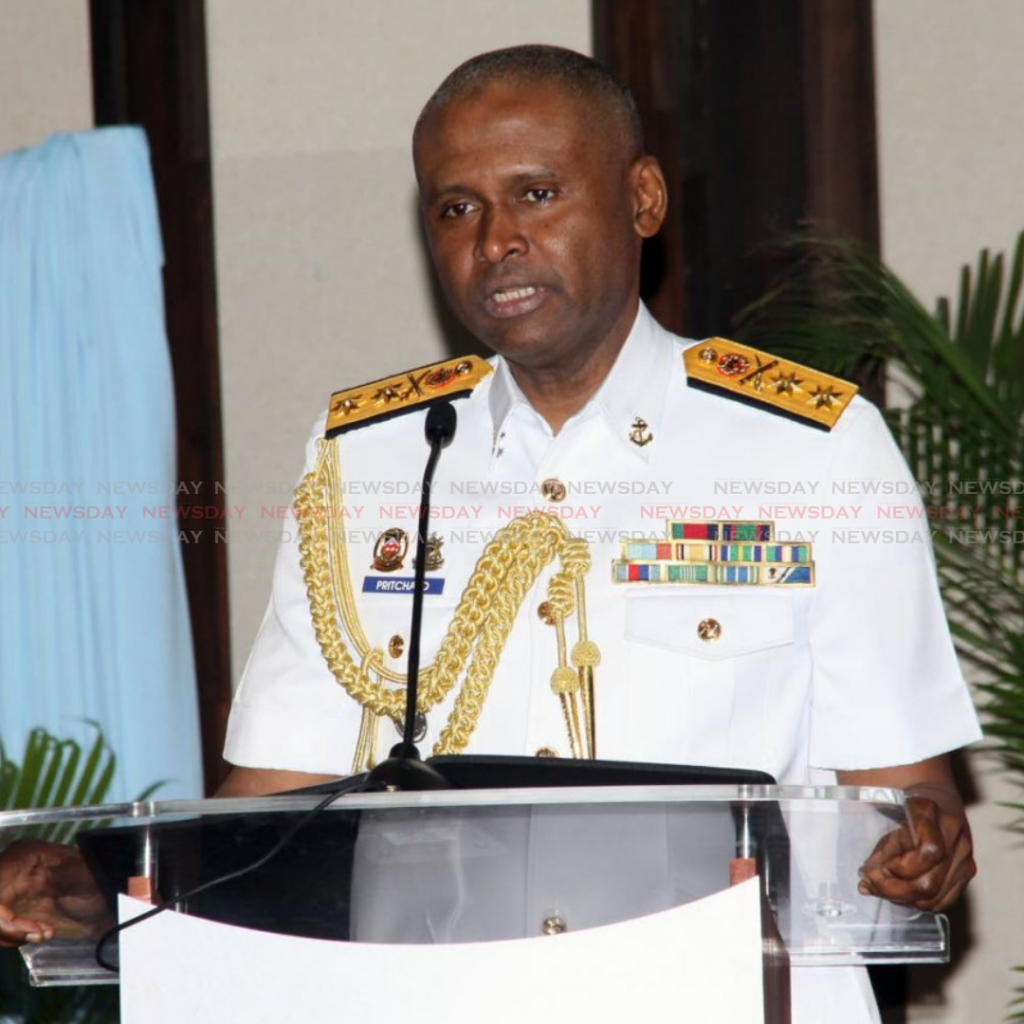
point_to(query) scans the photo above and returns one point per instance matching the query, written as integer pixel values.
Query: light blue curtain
(93, 616)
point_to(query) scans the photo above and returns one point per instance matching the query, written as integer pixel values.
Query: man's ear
(650, 196)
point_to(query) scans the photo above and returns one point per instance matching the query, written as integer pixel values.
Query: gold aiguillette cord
(471, 648)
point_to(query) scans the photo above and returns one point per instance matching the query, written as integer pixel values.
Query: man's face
(529, 205)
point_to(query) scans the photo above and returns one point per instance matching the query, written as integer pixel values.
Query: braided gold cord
(310, 504)
(344, 601)
(506, 571)
(519, 570)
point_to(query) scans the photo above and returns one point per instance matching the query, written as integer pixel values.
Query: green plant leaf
(963, 367)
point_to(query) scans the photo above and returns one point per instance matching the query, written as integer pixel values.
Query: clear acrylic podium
(496, 866)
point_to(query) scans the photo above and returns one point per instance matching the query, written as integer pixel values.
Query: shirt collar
(635, 389)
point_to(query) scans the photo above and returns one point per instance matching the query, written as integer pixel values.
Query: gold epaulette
(777, 385)
(404, 392)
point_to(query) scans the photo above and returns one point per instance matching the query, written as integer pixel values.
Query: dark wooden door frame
(763, 115)
(149, 68)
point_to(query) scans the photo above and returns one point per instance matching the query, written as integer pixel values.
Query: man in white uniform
(536, 196)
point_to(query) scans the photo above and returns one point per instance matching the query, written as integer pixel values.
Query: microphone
(403, 768)
(440, 426)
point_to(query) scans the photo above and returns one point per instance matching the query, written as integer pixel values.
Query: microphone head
(441, 423)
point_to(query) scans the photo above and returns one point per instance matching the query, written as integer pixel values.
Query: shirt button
(396, 645)
(553, 490)
(709, 629)
(547, 752)
(544, 613)
(553, 925)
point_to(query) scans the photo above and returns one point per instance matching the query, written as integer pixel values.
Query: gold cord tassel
(366, 746)
(586, 657)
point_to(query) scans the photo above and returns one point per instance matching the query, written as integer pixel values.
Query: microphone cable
(176, 901)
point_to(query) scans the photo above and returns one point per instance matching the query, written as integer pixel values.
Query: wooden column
(763, 112)
(149, 68)
(648, 45)
(839, 115)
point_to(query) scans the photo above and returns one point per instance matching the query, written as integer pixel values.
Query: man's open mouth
(511, 294)
(515, 301)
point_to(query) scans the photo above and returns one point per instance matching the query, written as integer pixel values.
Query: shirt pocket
(710, 626)
(702, 666)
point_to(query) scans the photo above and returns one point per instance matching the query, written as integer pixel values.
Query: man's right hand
(47, 892)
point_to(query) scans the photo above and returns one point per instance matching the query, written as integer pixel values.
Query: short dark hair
(533, 64)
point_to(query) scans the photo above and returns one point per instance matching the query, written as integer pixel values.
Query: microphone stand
(404, 769)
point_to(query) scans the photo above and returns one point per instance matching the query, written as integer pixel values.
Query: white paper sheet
(699, 962)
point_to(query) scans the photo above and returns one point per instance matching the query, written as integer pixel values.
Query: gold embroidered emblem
(390, 550)
(434, 559)
(404, 392)
(777, 385)
(786, 383)
(823, 398)
(640, 435)
(732, 364)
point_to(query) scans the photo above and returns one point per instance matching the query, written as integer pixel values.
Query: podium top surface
(801, 798)
(480, 865)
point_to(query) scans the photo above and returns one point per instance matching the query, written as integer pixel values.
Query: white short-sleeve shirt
(856, 672)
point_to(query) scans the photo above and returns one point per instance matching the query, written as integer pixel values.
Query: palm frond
(1017, 1015)
(841, 306)
(56, 773)
(961, 429)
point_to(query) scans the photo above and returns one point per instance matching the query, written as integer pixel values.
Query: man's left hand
(928, 863)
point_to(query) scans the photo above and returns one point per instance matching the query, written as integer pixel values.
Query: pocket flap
(710, 624)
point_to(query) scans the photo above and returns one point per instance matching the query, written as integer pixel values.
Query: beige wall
(321, 281)
(950, 95)
(45, 76)
(950, 109)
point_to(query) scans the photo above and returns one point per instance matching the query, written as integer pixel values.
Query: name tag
(400, 585)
